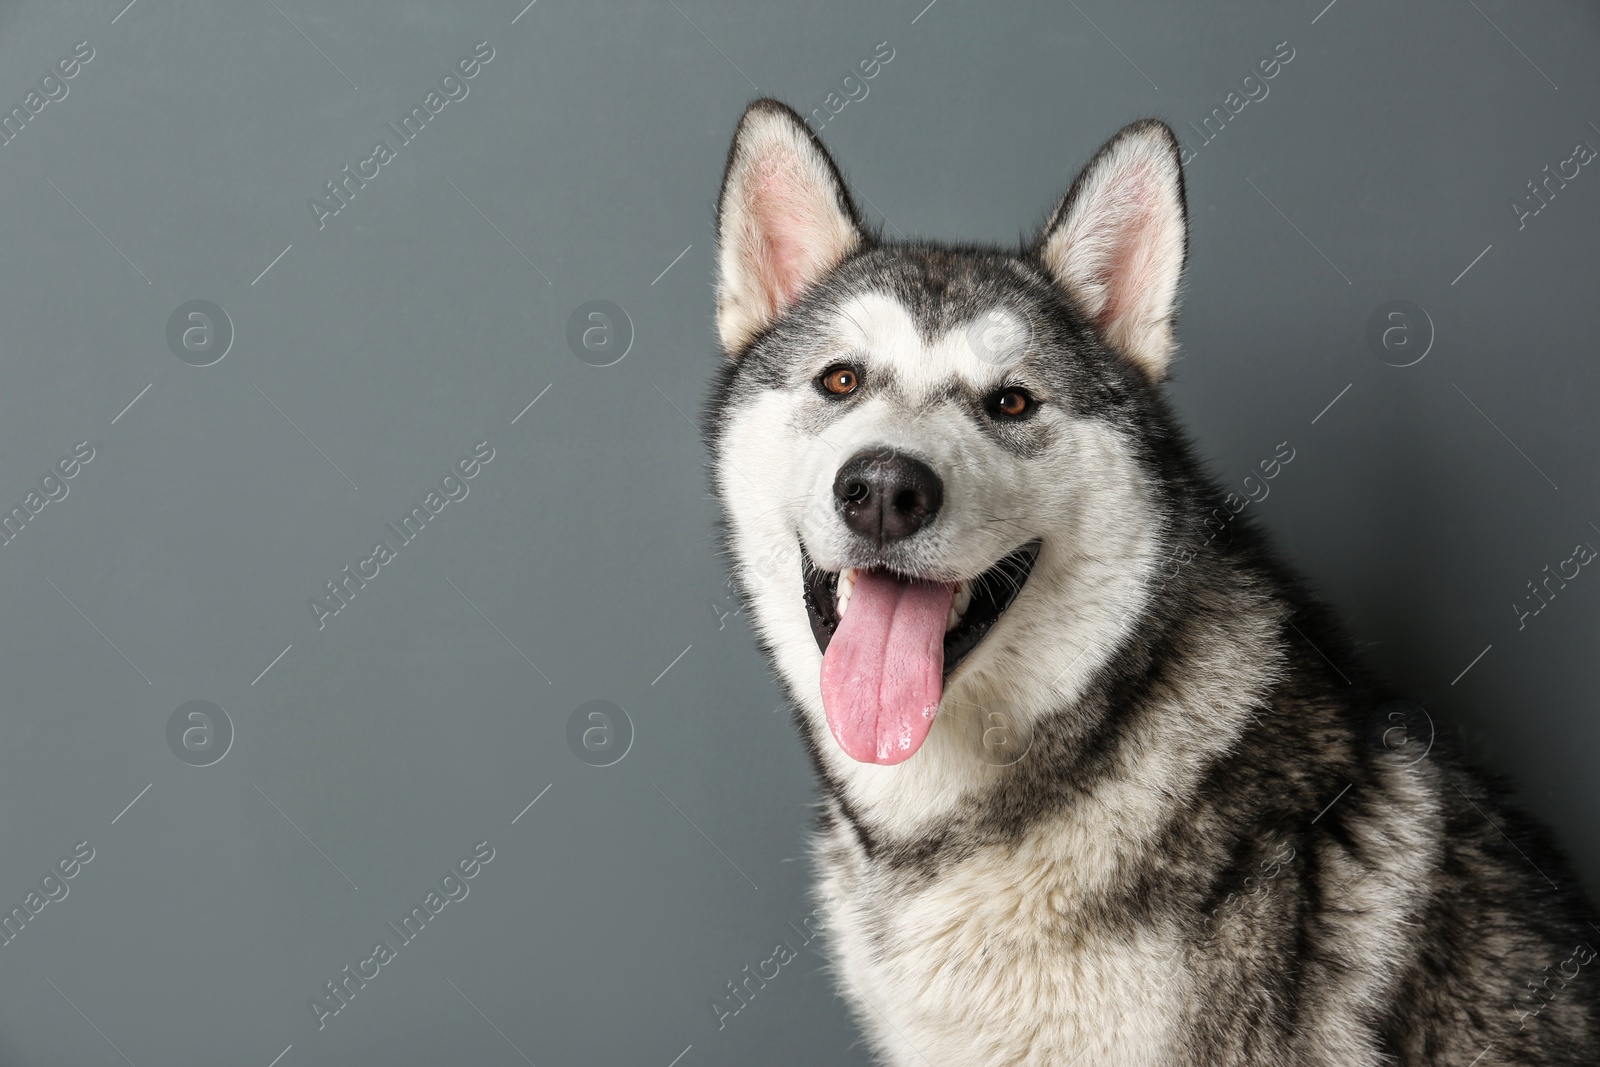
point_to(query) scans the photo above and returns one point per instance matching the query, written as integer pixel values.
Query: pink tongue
(883, 672)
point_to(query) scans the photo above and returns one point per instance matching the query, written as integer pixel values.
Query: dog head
(934, 461)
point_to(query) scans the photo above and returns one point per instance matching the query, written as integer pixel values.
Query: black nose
(886, 495)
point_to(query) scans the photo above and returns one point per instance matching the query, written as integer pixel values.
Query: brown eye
(1012, 402)
(840, 380)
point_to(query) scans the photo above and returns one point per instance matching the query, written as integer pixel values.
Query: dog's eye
(839, 380)
(1011, 403)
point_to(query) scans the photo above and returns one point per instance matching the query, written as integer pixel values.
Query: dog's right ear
(784, 220)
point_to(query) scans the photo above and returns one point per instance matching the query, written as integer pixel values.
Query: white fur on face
(1083, 496)
(983, 487)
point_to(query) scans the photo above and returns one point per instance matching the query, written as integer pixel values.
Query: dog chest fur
(993, 963)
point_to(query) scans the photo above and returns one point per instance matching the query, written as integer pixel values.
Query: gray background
(426, 316)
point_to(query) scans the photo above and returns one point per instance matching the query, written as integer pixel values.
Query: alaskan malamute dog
(1103, 784)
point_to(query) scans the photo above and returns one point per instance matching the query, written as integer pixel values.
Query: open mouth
(888, 643)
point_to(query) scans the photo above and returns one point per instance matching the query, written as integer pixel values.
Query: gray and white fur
(1151, 823)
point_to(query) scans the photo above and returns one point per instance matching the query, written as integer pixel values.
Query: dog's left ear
(1117, 242)
(784, 221)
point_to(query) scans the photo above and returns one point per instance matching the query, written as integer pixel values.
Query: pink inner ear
(1132, 256)
(791, 228)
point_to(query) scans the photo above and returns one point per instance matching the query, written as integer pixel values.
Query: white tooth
(958, 605)
(847, 585)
